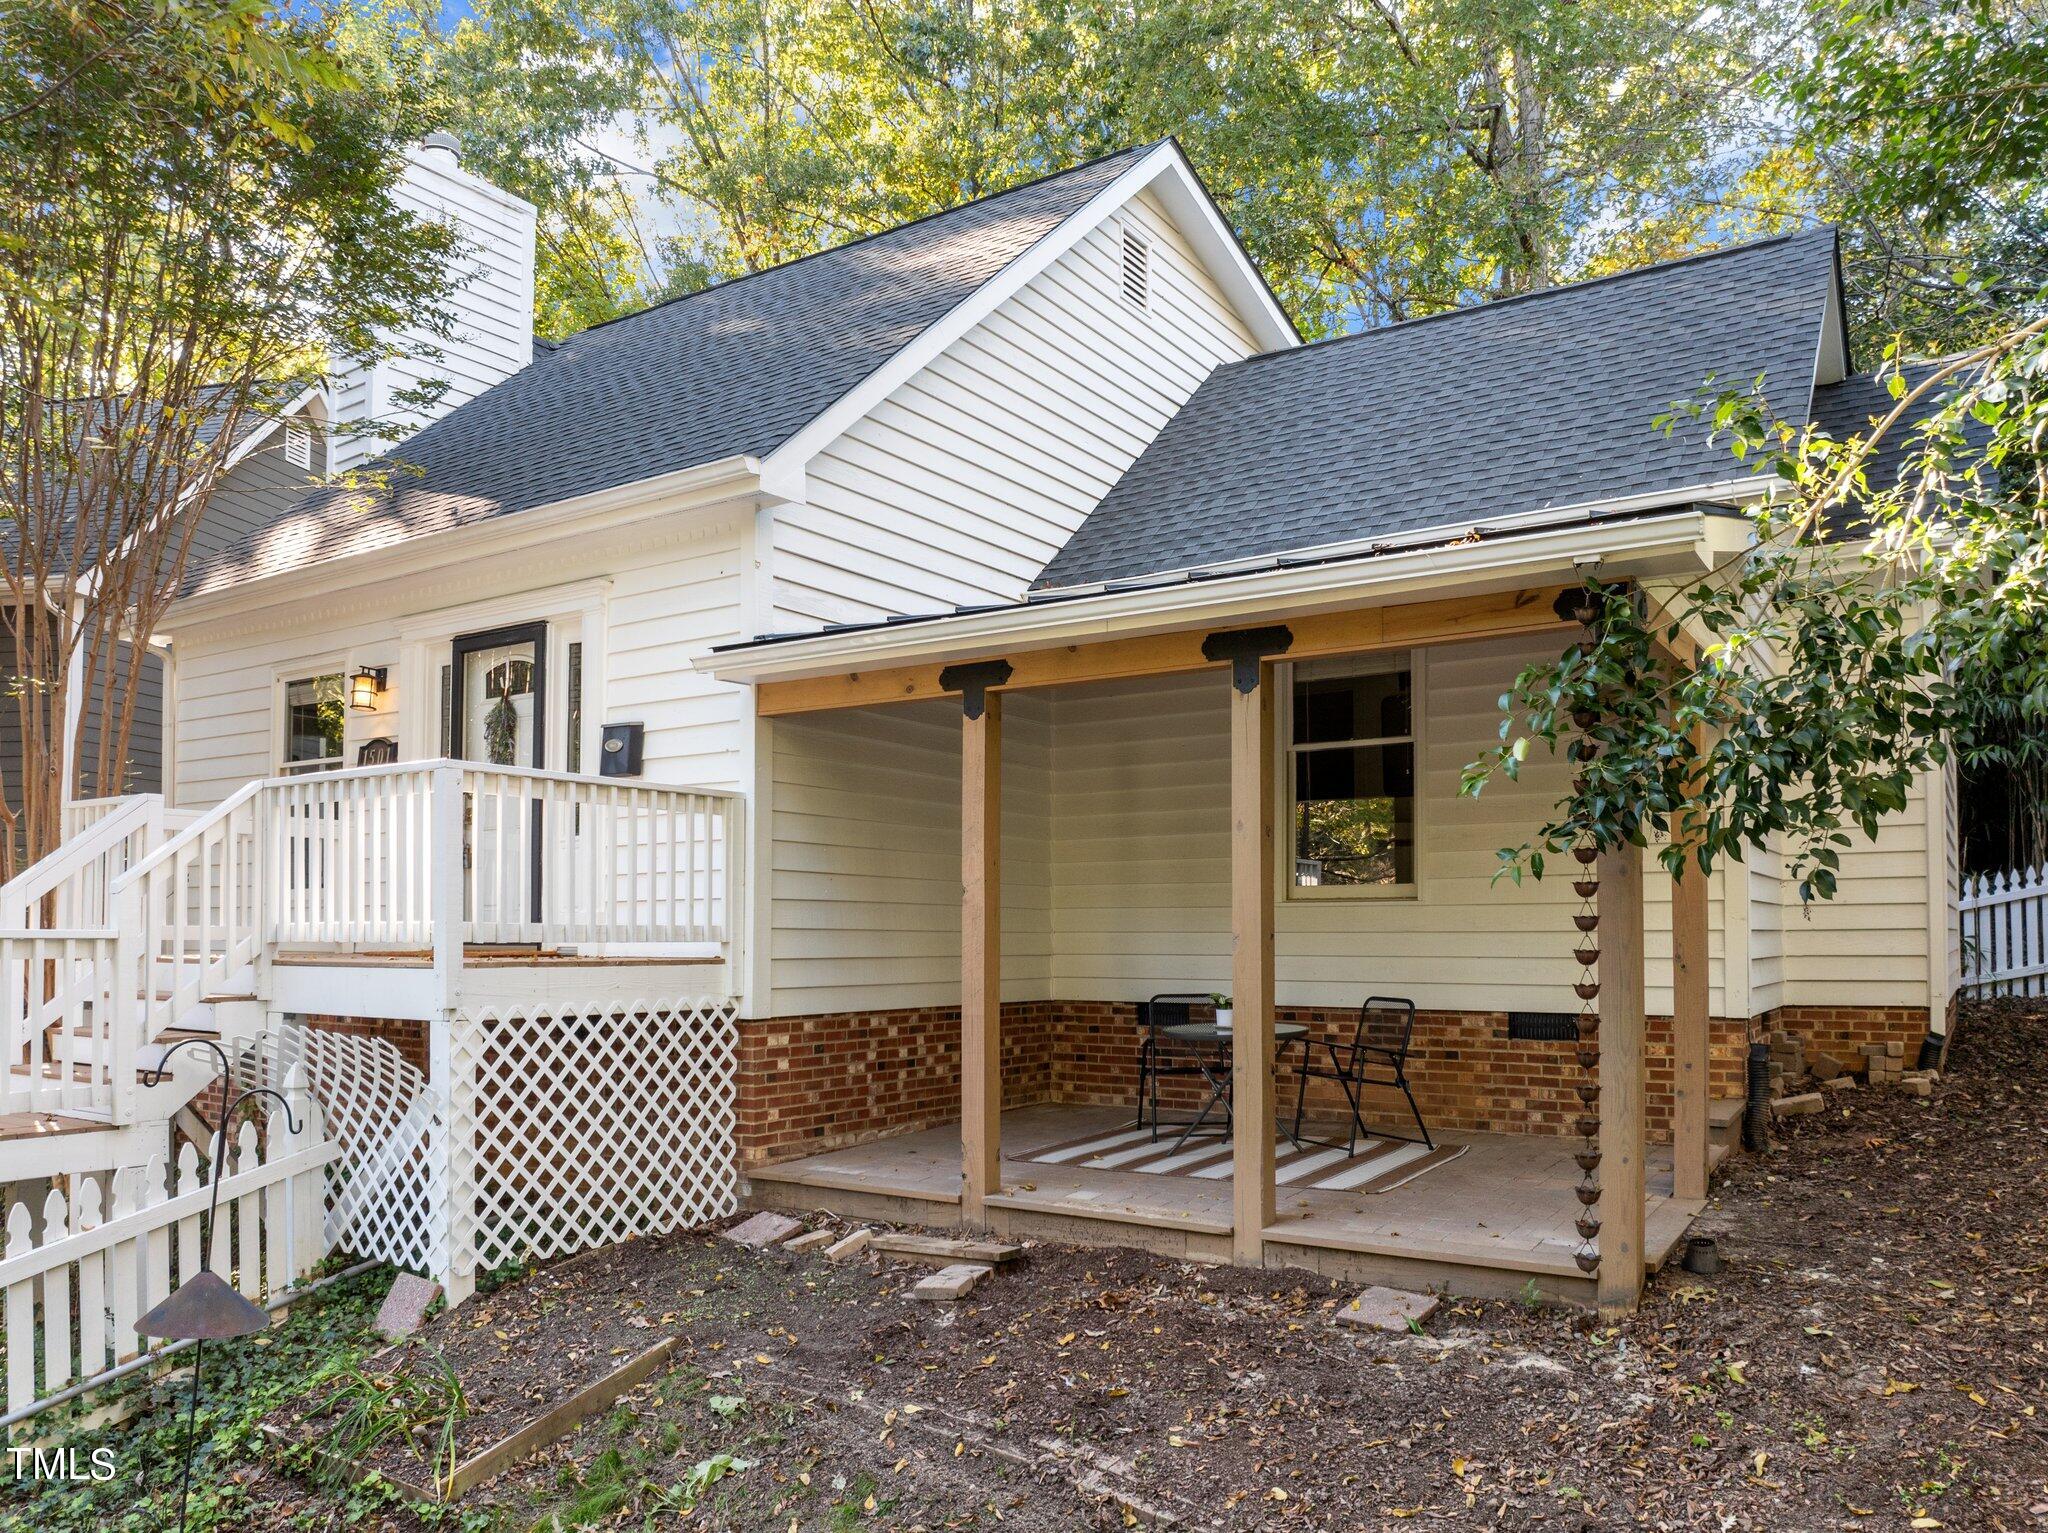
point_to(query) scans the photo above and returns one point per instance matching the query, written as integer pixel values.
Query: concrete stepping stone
(808, 1242)
(951, 1283)
(1387, 1309)
(853, 1245)
(764, 1230)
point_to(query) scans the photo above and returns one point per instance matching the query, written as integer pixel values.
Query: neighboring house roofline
(1164, 170)
(250, 442)
(1678, 538)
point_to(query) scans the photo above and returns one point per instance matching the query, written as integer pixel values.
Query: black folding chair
(1162, 1056)
(1377, 1055)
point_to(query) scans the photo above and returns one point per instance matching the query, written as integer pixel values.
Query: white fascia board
(1671, 544)
(702, 487)
(1165, 169)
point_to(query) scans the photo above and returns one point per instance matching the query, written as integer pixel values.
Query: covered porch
(1497, 1215)
(1490, 1222)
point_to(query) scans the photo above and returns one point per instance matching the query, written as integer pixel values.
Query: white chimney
(492, 303)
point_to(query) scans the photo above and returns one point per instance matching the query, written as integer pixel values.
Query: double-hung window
(1351, 774)
(314, 709)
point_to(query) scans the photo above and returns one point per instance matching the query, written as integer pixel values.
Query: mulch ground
(1872, 1356)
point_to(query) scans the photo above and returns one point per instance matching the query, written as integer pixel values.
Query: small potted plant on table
(1224, 1012)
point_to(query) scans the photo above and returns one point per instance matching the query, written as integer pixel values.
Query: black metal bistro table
(1213, 1060)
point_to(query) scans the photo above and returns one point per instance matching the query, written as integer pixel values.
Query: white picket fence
(74, 1282)
(2005, 932)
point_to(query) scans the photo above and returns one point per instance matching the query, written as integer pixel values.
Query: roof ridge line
(862, 239)
(1507, 300)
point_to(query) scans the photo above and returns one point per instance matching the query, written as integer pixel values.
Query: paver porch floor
(1506, 1204)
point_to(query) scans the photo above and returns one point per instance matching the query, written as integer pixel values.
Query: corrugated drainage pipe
(1756, 1106)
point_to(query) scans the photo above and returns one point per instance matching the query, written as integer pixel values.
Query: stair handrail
(22, 894)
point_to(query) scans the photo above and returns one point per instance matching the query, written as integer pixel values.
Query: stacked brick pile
(1885, 1063)
(1788, 1060)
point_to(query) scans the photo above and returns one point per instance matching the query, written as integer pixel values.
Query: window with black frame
(1351, 774)
(315, 708)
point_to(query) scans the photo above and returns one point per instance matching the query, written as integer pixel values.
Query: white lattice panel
(579, 1127)
(383, 1199)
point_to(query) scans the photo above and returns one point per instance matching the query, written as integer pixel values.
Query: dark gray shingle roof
(1512, 406)
(735, 369)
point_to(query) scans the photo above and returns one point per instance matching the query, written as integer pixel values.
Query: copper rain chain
(1587, 886)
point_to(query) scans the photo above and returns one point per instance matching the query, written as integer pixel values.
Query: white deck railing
(2005, 932)
(420, 855)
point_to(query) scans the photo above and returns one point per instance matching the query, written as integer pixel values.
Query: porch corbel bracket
(972, 681)
(1245, 649)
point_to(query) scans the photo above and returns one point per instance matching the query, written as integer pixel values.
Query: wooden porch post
(1621, 1079)
(1690, 1027)
(981, 933)
(1251, 931)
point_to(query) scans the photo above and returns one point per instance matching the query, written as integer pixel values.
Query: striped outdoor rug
(1380, 1165)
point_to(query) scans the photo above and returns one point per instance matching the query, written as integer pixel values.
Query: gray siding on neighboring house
(144, 773)
(251, 494)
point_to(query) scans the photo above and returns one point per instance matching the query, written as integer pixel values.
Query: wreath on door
(501, 719)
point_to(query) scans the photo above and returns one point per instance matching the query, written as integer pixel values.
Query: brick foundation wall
(808, 1084)
(1465, 1071)
(1843, 1030)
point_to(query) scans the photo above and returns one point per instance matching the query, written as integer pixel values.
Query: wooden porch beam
(981, 940)
(1690, 1026)
(1251, 936)
(1319, 634)
(1621, 1079)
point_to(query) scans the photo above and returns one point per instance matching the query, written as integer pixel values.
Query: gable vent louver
(1137, 268)
(298, 446)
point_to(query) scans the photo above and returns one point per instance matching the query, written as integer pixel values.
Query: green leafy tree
(197, 211)
(1924, 128)
(1879, 619)
(1383, 160)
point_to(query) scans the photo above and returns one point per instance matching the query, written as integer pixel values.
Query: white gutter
(1677, 541)
(1747, 487)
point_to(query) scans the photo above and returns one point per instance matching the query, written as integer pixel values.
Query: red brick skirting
(1843, 1030)
(808, 1084)
(815, 1083)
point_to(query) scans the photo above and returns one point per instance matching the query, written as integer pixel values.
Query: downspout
(74, 712)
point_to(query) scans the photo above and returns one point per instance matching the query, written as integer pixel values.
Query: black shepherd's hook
(232, 1102)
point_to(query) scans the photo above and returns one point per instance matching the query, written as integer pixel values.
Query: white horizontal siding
(1117, 860)
(1869, 945)
(639, 609)
(660, 612)
(968, 478)
(865, 858)
(1141, 860)
(490, 305)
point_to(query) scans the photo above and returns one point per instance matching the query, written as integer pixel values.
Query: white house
(753, 629)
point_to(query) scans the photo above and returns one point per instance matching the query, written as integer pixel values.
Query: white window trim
(1283, 776)
(280, 714)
